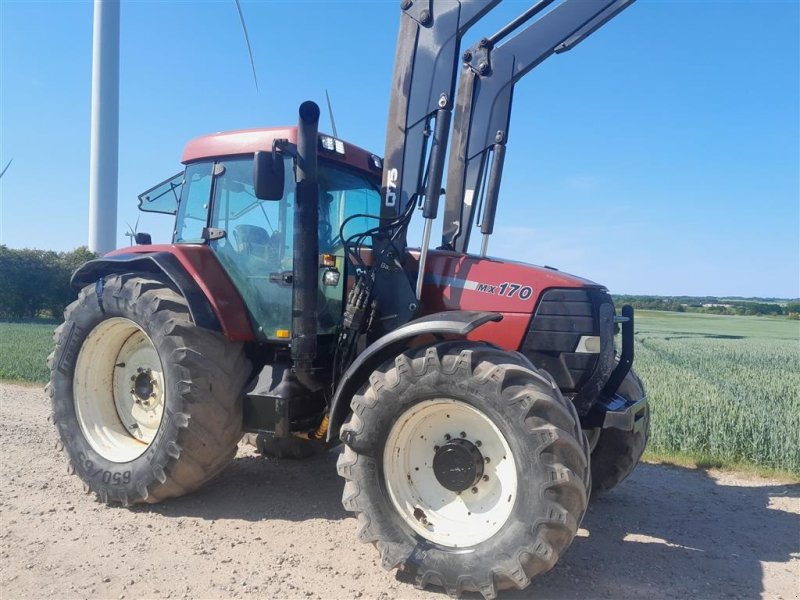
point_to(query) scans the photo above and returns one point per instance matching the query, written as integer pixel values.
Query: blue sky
(661, 156)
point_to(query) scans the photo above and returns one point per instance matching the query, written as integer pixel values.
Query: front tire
(147, 405)
(470, 524)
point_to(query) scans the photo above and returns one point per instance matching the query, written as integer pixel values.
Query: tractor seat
(252, 240)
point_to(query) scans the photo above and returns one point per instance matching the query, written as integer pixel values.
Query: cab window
(192, 214)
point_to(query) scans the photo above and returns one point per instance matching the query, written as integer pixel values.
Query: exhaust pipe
(306, 248)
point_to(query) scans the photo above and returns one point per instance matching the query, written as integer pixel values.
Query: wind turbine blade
(330, 112)
(247, 41)
(3, 172)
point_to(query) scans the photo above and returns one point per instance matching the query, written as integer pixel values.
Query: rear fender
(454, 324)
(223, 312)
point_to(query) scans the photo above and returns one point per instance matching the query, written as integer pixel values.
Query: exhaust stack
(306, 248)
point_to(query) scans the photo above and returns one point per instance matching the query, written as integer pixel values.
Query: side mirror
(268, 175)
(142, 239)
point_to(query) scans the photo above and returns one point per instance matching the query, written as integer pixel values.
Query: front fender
(456, 323)
(214, 302)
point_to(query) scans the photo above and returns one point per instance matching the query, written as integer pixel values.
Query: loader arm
(483, 104)
(423, 85)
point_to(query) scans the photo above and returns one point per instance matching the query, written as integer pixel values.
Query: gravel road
(276, 529)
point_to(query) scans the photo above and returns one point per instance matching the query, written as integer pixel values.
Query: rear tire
(497, 532)
(616, 453)
(179, 423)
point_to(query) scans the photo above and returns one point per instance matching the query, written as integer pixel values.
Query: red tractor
(471, 394)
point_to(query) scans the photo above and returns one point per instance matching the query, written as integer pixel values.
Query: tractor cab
(216, 203)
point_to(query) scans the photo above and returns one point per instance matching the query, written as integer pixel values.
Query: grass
(723, 390)
(24, 348)
(697, 461)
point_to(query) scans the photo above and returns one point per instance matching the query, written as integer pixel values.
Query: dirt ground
(276, 529)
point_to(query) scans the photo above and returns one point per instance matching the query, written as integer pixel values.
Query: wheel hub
(144, 386)
(458, 465)
(450, 473)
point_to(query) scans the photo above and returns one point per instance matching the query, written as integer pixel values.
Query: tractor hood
(455, 281)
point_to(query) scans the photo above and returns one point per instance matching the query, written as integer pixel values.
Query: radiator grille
(562, 317)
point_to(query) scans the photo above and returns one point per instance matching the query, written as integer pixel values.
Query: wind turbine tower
(104, 153)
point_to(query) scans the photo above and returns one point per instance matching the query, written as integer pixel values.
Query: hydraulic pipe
(423, 256)
(306, 248)
(492, 193)
(433, 189)
(520, 20)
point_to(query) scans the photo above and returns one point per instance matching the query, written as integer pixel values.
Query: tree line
(35, 283)
(714, 305)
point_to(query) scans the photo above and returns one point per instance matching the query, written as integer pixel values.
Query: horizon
(692, 106)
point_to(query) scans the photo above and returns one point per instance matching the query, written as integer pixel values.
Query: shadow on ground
(675, 532)
(666, 532)
(253, 488)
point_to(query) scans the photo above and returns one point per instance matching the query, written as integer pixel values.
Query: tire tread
(497, 373)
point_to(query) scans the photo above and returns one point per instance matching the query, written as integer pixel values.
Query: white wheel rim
(118, 389)
(445, 517)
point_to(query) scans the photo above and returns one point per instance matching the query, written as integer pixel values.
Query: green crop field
(724, 390)
(24, 348)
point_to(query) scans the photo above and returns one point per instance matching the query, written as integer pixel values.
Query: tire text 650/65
(95, 472)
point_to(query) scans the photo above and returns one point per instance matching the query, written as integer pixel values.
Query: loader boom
(483, 104)
(418, 124)
(422, 91)
(423, 85)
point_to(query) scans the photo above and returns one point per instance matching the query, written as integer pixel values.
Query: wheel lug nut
(435, 448)
(447, 436)
(486, 478)
(139, 370)
(463, 434)
(133, 377)
(478, 443)
(487, 460)
(153, 395)
(133, 391)
(474, 490)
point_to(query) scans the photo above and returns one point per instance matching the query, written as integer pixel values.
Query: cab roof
(248, 141)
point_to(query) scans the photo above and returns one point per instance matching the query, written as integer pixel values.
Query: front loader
(471, 394)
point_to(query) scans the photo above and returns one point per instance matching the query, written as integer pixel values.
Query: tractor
(478, 401)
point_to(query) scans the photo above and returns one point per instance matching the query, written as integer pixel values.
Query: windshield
(345, 195)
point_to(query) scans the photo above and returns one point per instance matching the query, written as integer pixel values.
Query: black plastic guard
(456, 323)
(157, 263)
(625, 357)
